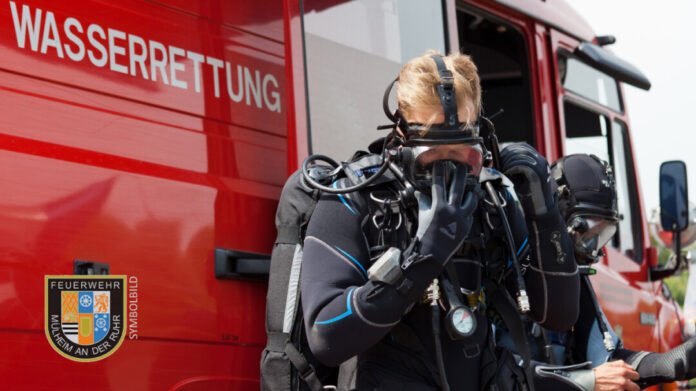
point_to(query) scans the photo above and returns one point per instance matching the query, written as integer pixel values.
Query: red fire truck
(152, 138)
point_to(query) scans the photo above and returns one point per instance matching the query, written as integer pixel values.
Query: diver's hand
(445, 216)
(615, 376)
(530, 173)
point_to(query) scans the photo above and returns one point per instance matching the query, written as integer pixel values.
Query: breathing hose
(603, 328)
(434, 296)
(522, 298)
(331, 190)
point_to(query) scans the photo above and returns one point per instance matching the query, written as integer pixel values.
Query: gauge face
(463, 321)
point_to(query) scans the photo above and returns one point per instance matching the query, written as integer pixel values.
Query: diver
(594, 356)
(406, 257)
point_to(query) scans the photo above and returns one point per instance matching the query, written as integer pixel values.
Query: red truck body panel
(142, 175)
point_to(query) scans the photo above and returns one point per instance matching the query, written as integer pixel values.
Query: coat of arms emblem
(85, 315)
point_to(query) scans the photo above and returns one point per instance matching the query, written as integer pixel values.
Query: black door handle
(235, 264)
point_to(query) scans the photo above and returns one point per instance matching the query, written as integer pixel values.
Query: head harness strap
(450, 131)
(446, 91)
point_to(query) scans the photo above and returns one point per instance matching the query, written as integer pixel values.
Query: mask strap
(446, 91)
(396, 117)
(385, 101)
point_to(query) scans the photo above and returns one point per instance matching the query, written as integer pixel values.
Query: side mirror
(674, 212)
(674, 197)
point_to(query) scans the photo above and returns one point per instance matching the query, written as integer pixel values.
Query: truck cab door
(591, 118)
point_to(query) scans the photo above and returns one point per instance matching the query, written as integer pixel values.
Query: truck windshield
(589, 83)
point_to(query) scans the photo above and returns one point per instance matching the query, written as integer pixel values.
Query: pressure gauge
(461, 322)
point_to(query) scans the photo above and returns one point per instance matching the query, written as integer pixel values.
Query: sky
(659, 40)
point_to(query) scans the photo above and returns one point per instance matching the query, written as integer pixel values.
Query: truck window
(589, 83)
(353, 51)
(500, 54)
(590, 131)
(586, 131)
(628, 237)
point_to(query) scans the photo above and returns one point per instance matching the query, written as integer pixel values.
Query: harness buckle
(447, 80)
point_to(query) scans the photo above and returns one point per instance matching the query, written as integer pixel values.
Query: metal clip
(503, 201)
(384, 224)
(447, 80)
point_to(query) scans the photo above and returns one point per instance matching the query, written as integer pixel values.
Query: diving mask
(418, 167)
(453, 141)
(591, 234)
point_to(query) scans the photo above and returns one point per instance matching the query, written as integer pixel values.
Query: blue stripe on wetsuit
(352, 259)
(340, 196)
(518, 251)
(522, 246)
(349, 310)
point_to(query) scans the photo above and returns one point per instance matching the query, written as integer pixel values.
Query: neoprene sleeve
(553, 282)
(655, 368)
(344, 312)
(554, 279)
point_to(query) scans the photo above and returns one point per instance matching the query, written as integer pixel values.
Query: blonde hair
(419, 78)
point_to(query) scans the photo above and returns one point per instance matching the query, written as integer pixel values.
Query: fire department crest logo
(85, 315)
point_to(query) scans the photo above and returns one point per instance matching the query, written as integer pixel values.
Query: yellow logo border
(123, 278)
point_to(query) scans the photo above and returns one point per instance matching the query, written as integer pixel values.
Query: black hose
(522, 299)
(435, 308)
(492, 140)
(408, 193)
(331, 190)
(603, 328)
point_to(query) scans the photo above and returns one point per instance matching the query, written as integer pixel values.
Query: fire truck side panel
(142, 136)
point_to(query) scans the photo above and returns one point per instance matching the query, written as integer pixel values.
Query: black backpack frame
(287, 364)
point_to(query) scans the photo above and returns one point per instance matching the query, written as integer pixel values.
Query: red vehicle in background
(152, 139)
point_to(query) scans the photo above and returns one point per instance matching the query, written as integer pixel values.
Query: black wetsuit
(346, 314)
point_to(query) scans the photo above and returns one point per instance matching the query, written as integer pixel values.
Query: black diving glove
(530, 173)
(677, 364)
(445, 216)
